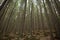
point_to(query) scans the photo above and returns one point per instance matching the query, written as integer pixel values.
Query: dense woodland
(30, 20)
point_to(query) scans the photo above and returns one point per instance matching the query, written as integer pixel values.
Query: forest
(29, 19)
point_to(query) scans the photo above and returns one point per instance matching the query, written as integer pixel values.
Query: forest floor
(25, 37)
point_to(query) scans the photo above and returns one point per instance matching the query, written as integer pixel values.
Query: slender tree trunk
(48, 21)
(51, 14)
(3, 4)
(23, 16)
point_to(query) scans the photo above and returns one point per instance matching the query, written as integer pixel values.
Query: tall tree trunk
(51, 14)
(23, 16)
(48, 21)
(3, 4)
